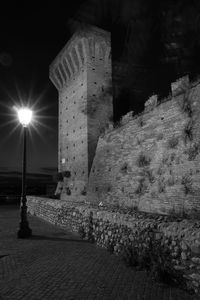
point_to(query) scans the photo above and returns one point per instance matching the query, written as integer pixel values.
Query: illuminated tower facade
(82, 74)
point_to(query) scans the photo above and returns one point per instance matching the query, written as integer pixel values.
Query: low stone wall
(120, 230)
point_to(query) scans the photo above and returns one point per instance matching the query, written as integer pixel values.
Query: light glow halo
(25, 116)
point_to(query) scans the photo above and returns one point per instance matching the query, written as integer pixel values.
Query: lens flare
(14, 109)
(25, 116)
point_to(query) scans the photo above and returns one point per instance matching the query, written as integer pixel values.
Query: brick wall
(152, 161)
(82, 75)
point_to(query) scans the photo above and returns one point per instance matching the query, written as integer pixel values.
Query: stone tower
(82, 75)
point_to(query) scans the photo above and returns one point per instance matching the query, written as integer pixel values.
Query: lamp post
(25, 116)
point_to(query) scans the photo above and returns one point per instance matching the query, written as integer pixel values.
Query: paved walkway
(56, 264)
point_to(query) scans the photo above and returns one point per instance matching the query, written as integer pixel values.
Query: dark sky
(32, 34)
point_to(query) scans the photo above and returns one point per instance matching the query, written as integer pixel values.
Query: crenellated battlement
(90, 44)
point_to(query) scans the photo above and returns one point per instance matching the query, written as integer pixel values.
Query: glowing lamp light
(25, 116)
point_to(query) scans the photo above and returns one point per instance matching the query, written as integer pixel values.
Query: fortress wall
(152, 162)
(80, 72)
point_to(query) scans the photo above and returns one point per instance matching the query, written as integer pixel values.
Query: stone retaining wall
(120, 229)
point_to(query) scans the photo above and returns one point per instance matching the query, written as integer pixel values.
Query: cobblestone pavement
(56, 264)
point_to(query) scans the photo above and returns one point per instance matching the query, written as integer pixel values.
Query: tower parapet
(82, 75)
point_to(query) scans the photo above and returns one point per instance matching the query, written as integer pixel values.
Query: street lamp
(25, 116)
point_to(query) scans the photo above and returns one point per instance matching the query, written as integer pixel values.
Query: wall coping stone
(127, 119)
(188, 228)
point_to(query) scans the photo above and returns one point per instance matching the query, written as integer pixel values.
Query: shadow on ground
(48, 238)
(2, 256)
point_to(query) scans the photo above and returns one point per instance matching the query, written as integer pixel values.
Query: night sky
(32, 34)
(143, 32)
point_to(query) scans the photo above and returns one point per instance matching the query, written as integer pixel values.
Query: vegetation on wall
(142, 187)
(68, 191)
(192, 151)
(188, 133)
(143, 160)
(124, 168)
(84, 191)
(160, 136)
(160, 170)
(186, 104)
(67, 174)
(187, 184)
(148, 173)
(173, 142)
(161, 185)
(140, 121)
(171, 181)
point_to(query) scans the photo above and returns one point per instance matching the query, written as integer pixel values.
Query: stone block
(180, 86)
(151, 103)
(195, 248)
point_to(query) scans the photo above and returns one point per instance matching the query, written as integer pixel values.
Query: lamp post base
(24, 231)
